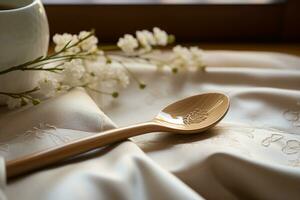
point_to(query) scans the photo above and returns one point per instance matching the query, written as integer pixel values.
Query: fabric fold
(120, 171)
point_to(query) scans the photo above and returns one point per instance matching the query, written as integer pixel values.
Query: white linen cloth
(253, 154)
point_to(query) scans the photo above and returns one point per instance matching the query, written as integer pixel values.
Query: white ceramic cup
(24, 36)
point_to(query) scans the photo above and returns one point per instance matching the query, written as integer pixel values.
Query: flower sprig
(40, 62)
(78, 61)
(144, 41)
(143, 44)
(20, 98)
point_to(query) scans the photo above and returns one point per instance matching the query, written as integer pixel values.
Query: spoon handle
(47, 157)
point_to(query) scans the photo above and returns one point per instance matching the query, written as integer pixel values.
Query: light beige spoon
(191, 115)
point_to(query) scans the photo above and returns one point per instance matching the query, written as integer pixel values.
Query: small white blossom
(73, 72)
(109, 78)
(92, 73)
(48, 86)
(120, 74)
(13, 102)
(182, 56)
(115, 71)
(146, 38)
(197, 57)
(61, 40)
(143, 42)
(187, 57)
(62, 88)
(160, 36)
(94, 67)
(128, 43)
(90, 44)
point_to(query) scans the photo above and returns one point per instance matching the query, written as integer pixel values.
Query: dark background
(268, 21)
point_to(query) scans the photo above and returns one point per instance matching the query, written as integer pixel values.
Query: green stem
(98, 91)
(109, 47)
(113, 94)
(131, 74)
(71, 57)
(20, 93)
(51, 58)
(66, 47)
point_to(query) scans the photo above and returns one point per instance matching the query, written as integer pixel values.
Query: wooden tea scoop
(191, 115)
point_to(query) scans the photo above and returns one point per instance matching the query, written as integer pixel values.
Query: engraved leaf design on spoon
(196, 116)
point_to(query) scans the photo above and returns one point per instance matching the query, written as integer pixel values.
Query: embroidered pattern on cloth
(293, 115)
(42, 131)
(273, 138)
(289, 147)
(292, 147)
(242, 138)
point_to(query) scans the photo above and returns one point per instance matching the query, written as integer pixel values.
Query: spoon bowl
(191, 115)
(194, 114)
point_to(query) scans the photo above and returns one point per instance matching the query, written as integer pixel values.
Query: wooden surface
(293, 49)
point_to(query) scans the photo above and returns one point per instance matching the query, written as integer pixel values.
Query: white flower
(122, 76)
(182, 56)
(48, 86)
(73, 72)
(128, 43)
(94, 67)
(187, 57)
(160, 36)
(62, 89)
(146, 38)
(113, 75)
(13, 102)
(94, 70)
(61, 41)
(89, 44)
(115, 71)
(197, 57)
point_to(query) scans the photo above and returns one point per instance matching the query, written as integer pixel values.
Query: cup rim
(19, 8)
